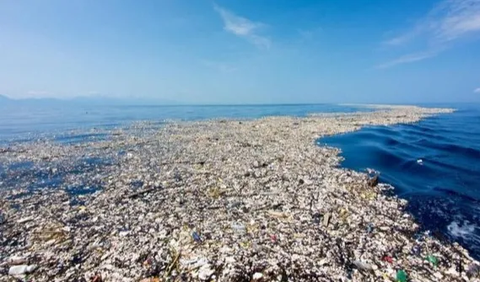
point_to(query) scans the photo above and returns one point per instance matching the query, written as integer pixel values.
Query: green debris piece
(401, 276)
(432, 259)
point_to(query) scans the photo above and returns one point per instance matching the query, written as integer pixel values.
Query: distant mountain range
(106, 101)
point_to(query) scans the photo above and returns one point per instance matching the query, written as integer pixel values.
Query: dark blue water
(26, 122)
(434, 164)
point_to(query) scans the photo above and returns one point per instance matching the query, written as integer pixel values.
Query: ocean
(434, 163)
(28, 122)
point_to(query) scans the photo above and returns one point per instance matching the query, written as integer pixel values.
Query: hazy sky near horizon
(242, 51)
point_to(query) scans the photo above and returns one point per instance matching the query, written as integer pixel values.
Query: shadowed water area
(434, 164)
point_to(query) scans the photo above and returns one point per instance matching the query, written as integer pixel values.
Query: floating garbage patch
(221, 200)
(76, 174)
(81, 138)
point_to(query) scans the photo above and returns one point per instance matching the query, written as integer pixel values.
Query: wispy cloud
(457, 19)
(447, 23)
(409, 58)
(243, 27)
(406, 37)
(477, 90)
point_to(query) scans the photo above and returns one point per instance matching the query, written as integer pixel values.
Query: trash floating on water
(373, 181)
(326, 219)
(370, 227)
(432, 259)
(388, 259)
(211, 200)
(96, 278)
(196, 237)
(473, 270)
(239, 228)
(17, 270)
(401, 276)
(363, 265)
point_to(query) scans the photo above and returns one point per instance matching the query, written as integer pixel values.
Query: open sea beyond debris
(434, 164)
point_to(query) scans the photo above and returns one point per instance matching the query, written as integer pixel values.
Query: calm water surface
(28, 121)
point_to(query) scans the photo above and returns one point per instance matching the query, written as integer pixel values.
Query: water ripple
(443, 189)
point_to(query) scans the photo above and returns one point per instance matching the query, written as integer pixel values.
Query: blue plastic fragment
(370, 228)
(196, 237)
(417, 250)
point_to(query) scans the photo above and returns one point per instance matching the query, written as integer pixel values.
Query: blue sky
(242, 51)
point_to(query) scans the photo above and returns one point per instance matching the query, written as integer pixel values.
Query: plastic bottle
(370, 228)
(432, 259)
(401, 276)
(21, 269)
(196, 237)
(239, 228)
(473, 270)
(362, 265)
